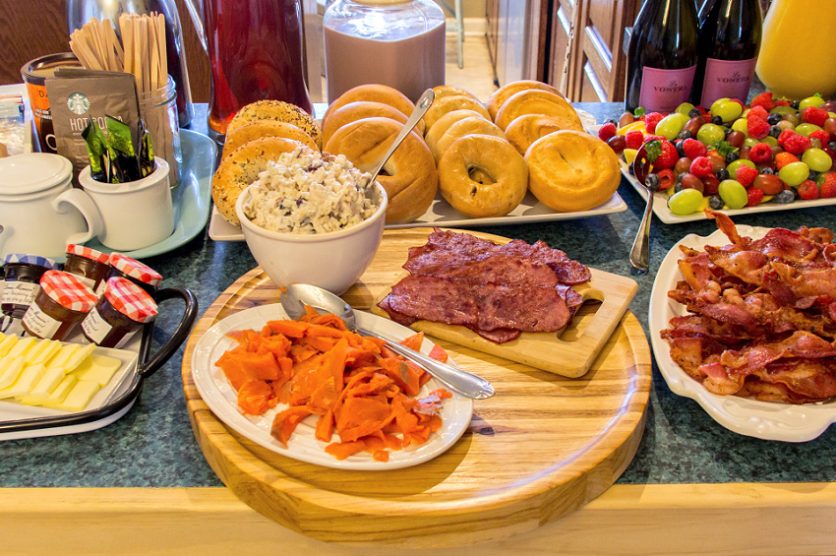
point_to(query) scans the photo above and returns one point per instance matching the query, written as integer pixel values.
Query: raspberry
(701, 167)
(745, 175)
(650, 121)
(633, 139)
(808, 190)
(782, 159)
(755, 197)
(821, 135)
(827, 185)
(814, 115)
(693, 148)
(668, 157)
(783, 102)
(794, 143)
(761, 154)
(764, 100)
(758, 112)
(607, 130)
(757, 127)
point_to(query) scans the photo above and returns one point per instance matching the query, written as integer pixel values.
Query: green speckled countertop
(153, 445)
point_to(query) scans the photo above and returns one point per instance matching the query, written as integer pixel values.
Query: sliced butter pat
(10, 368)
(21, 347)
(57, 397)
(30, 375)
(7, 343)
(80, 396)
(43, 352)
(47, 383)
(98, 368)
(79, 357)
(62, 358)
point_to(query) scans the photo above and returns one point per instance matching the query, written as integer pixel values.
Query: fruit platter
(770, 155)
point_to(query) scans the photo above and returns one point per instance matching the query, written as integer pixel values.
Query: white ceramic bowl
(333, 261)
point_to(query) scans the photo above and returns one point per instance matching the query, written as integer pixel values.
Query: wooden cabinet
(492, 28)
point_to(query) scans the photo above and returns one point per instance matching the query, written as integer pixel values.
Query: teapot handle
(195, 9)
(82, 202)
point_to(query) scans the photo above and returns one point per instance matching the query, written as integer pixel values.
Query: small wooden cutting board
(569, 352)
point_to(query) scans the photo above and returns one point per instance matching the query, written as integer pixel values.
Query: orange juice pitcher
(796, 58)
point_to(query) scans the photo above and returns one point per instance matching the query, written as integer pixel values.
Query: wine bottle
(662, 58)
(728, 40)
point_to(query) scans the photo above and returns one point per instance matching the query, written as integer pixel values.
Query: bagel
(276, 110)
(474, 125)
(241, 168)
(538, 102)
(265, 128)
(482, 176)
(526, 129)
(498, 98)
(442, 91)
(441, 126)
(374, 93)
(409, 176)
(448, 104)
(358, 110)
(572, 171)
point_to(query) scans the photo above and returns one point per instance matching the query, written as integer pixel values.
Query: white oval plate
(221, 398)
(765, 420)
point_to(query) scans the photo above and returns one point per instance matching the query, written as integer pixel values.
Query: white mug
(40, 212)
(135, 214)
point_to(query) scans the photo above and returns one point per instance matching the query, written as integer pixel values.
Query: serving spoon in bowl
(297, 296)
(640, 251)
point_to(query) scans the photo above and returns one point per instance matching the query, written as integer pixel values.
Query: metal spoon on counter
(462, 382)
(640, 251)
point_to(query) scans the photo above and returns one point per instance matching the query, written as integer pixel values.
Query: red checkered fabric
(130, 300)
(87, 253)
(135, 269)
(68, 291)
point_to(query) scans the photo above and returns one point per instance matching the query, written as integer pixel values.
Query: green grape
(687, 201)
(684, 108)
(733, 166)
(750, 142)
(733, 194)
(806, 129)
(770, 140)
(814, 100)
(741, 125)
(794, 173)
(711, 134)
(782, 110)
(716, 105)
(727, 110)
(817, 160)
(670, 126)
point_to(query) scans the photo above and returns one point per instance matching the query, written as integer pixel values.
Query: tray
(764, 420)
(541, 448)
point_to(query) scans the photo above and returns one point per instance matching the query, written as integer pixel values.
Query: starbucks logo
(78, 103)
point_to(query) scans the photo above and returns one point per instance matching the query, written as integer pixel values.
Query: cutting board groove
(541, 448)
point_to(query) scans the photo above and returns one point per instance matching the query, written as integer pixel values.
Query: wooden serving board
(541, 448)
(568, 352)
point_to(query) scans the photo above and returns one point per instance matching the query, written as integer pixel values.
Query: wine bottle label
(663, 90)
(726, 78)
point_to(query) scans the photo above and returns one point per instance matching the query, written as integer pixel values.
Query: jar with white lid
(399, 43)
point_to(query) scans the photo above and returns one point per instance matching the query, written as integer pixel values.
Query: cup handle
(82, 202)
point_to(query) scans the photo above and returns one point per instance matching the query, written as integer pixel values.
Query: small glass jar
(139, 273)
(22, 274)
(89, 265)
(122, 310)
(158, 109)
(62, 302)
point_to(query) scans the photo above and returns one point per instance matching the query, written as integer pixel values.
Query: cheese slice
(21, 347)
(25, 382)
(80, 396)
(44, 387)
(7, 343)
(57, 397)
(78, 357)
(10, 368)
(62, 358)
(43, 351)
(98, 368)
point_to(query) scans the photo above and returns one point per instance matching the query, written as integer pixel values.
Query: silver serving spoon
(297, 296)
(640, 251)
(418, 112)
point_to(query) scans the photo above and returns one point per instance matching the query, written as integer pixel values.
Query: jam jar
(122, 310)
(62, 302)
(22, 274)
(89, 265)
(139, 273)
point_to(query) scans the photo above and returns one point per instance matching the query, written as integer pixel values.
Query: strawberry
(650, 121)
(693, 148)
(808, 190)
(668, 157)
(650, 137)
(745, 175)
(814, 115)
(784, 158)
(821, 135)
(764, 100)
(607, 130)
(827, 185)
(761, 154)
(634, 139)
(701, 167)
(755, 196)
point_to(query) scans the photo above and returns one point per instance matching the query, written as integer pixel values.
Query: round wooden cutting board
(542, 447)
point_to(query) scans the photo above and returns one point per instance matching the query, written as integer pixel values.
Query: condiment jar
(62, 302)
(89, 265)
(139, 273)
(22, 274)
(123, 309)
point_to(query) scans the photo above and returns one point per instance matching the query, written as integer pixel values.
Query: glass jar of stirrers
(158, 109)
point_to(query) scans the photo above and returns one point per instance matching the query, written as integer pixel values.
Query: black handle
(148, 367)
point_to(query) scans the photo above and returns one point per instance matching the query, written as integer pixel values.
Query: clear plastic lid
(383, 20)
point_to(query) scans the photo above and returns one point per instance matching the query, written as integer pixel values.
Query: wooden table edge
(756, 518)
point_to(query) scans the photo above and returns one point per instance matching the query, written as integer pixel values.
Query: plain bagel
(375, 93)
(358, 110)
(474, 125)
(441, 126)
(498, 98)
(538, 102)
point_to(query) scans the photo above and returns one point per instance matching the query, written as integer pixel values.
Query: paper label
(39, 323)
(726, 78)
(19, 293)
(95, 327)
(663, 90)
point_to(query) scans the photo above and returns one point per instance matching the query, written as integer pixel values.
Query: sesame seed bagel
(276, 110)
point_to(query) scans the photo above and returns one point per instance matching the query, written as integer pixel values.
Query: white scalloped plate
(221, 398)
(765, 420)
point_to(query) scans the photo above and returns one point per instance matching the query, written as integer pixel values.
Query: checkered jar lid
(135, 269)
(130, 300)
(20, 258)
(68, 291)
(87, 253)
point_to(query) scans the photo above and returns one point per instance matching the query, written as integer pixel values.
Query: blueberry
(831, 146)
(684, 134)
(715, 202)
(717, 120)
(677, 187)
(813, 175)
(732, 156)
(773, 119)
(775, 131)
(679, 150)
(785, 196)
(652, 181)
(611, 121)
(630, 169)
(722, 174)
(795, 104)
(693, 113)
(767, 171)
